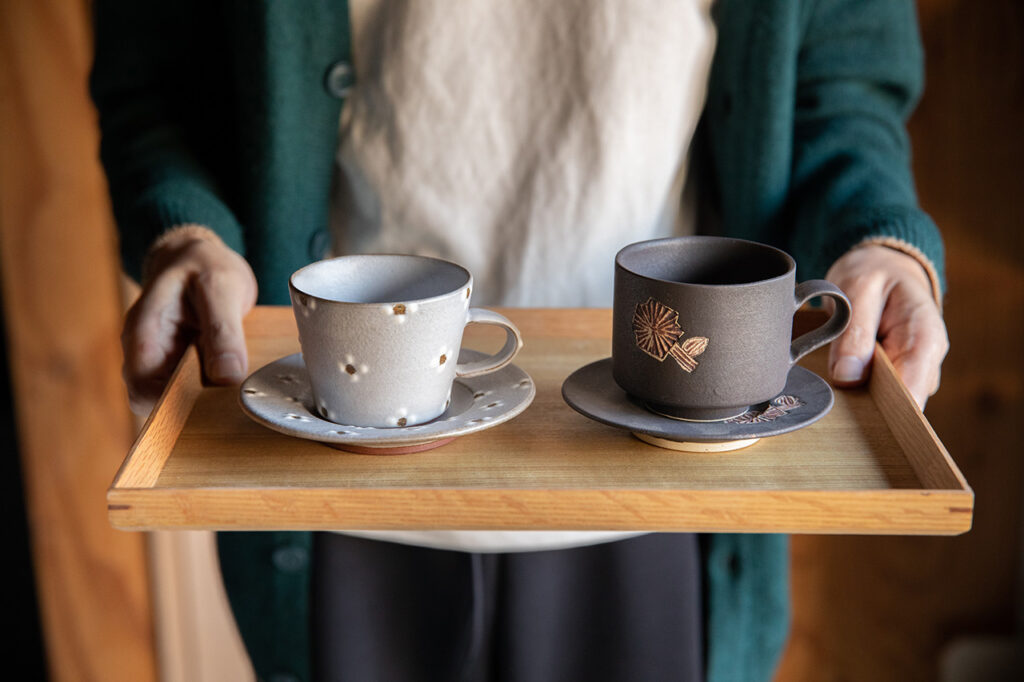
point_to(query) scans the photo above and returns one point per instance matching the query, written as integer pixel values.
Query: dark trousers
(626, 610)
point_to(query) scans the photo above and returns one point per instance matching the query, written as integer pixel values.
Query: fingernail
(226, 367)
(848, 369)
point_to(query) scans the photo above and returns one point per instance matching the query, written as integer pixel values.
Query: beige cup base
(391, 450)
(695, 446)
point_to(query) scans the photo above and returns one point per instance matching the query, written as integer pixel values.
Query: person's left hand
(892, 301)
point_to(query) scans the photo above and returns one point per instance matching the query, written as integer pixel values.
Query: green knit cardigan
(226, 114)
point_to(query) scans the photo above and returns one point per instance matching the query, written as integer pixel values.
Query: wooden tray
(872, 465)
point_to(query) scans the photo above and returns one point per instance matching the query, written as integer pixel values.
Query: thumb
(850, 355)
(221, 300)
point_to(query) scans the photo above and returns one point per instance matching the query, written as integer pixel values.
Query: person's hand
(892, 300)
(195, 289)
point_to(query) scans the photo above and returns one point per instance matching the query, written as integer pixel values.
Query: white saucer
(279, 397)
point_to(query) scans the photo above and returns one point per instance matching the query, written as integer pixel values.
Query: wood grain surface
(550, 468)
(61, 299)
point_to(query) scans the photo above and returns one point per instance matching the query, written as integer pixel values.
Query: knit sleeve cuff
(902, 228)
(163, 209)
(917, 254)
(179, 234)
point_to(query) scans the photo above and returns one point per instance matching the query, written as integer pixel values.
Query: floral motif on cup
(657, 331)
(777, 407)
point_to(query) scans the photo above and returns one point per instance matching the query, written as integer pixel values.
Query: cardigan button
(338, 79)
(319, 244)
(290, 559)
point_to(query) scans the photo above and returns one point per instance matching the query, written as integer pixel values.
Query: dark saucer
(592, 392)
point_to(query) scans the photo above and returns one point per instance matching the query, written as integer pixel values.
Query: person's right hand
(195, 288)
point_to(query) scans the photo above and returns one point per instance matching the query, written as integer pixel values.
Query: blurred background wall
(90, 603)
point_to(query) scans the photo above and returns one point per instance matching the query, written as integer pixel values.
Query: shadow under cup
(702, 326)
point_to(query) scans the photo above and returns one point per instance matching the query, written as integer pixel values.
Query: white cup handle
(513, 342)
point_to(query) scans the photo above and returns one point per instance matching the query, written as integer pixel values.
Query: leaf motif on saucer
(778, 407)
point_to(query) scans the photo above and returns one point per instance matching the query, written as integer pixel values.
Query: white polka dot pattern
(278, 396)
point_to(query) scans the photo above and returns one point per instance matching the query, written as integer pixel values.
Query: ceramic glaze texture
(380, 336)
(387, 361)
(702, 325)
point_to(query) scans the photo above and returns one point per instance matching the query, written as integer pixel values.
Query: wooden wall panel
(61, 299)
(886, 609)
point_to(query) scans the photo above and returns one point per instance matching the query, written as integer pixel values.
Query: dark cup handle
(836, 324)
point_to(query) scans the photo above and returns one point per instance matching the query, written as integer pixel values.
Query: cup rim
(438, 297)
(790, 269)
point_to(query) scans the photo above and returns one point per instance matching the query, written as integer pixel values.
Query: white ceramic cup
(380, 336)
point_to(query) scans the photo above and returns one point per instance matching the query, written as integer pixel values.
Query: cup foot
(699, 415)
(695, 446)
(395, 450)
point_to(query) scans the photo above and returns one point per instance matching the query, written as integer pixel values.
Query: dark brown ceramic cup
(702, 326)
